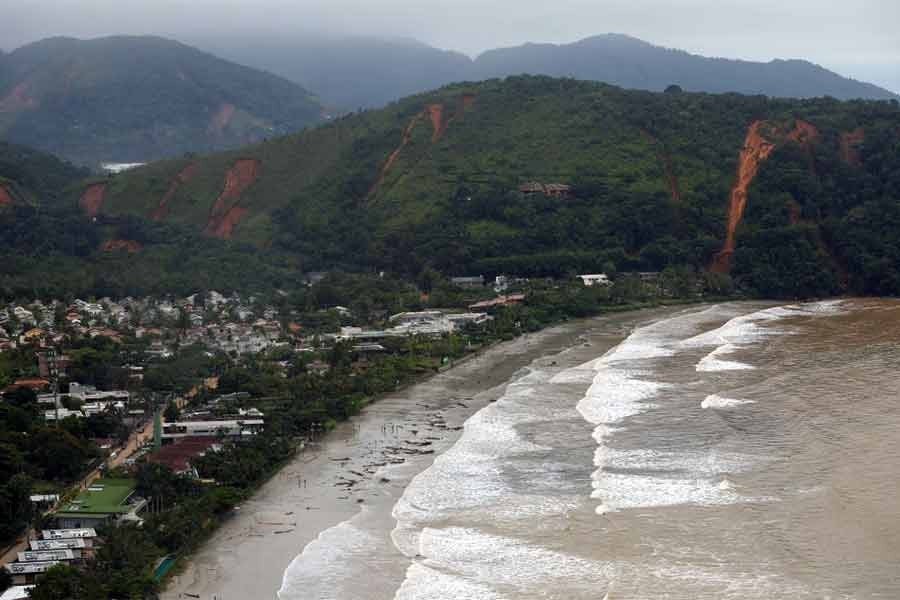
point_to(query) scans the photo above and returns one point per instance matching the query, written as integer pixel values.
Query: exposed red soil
(849, 142)
(92, 199)
(5, 196)
(407, 135)
(183, 176)
(130, 245)
(224, 226)
(440, 122)
(755, 151)
(803, 133)
(222, 118)
(18, 99)
(223, 217)
(436, 113)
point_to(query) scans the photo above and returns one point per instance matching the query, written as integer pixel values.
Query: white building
(595, 279)
(89, 393)
(232, 428)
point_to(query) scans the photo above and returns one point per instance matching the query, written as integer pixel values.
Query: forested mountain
(369, 72)
(133, 99)
(347, 72)
(529, 176)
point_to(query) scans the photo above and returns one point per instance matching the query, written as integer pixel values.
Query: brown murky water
(736, 451)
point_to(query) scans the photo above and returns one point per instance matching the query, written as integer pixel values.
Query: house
(24, 316)
(79, 544)
(32, 336)
(34, 383)
(595, 279)
(461, 320)
(103, 501)
(26, 573)
(45, 364)
(89, 393)
(178, 455)
(555, 190)
(46, 555)
(468, 282)
(532, 187)
(62, 413)
(558, 190)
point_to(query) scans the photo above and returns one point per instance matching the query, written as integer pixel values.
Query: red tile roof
(178, 455)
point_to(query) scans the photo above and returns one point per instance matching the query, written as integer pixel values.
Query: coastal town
(135, 390)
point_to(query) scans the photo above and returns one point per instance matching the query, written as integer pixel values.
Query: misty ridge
(367, 72)
(125, 99)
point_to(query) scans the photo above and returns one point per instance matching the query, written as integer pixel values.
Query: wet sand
(364, 465)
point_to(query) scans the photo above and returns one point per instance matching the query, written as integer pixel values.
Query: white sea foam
(425, 583)
(471, 475)
(328, 563)
(473, 561)
(615, 395)
(714, 401)
(624, 490)
(623, 387)
(711, 362)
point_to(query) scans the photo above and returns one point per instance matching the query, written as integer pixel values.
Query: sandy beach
(362, 468)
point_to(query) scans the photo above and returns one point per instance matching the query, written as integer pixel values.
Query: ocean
(741, 450)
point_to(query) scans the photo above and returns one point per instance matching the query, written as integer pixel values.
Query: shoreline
(365, 461)
(363, 466)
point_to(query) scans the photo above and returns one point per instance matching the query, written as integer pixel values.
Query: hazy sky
(860, 38)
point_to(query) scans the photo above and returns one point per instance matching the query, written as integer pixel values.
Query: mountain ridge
(139, 98)
(370, 72)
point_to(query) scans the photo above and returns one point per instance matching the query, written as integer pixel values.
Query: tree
(58, 453)
(172, 412)
(15, 506)
(62, 582)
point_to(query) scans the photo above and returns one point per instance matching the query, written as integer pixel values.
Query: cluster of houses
(45, 324)
(75, 540)
(53, 547)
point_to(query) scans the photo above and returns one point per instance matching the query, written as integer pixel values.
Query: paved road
(135, 441)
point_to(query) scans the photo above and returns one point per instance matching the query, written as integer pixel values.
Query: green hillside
(135, 99)
(28, 175)
(812, 188)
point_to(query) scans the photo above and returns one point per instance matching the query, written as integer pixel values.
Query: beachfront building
(234, 429)
(57, 546)
(103, 501)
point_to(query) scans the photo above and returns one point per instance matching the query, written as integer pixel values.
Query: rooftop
(104, 496)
